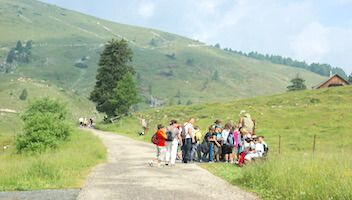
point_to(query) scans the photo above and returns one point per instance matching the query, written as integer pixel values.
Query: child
(217, 124)
(196, 146)
(266, 148)
(256, 153)
(210, 138)
(161, 135)
(218, 143)
(227, 145)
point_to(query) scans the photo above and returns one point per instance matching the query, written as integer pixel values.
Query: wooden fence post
(279, 143)
(315, 138)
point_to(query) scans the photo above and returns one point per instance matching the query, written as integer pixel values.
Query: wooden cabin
(333, 81)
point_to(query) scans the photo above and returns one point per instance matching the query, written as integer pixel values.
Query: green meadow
(64, 167)
(297, 172)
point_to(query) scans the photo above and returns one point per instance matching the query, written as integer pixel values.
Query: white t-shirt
(187, 126)
(253, 146)
(259, 147)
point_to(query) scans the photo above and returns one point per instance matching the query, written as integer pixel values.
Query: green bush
(24, 94)
(45, 125)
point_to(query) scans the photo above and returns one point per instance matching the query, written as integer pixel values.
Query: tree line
(321, 69)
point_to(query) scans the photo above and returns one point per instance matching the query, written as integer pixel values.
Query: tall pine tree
(115, 90)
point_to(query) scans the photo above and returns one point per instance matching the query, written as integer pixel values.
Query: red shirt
(161, 137)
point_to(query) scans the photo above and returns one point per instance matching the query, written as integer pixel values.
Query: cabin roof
(328, 79)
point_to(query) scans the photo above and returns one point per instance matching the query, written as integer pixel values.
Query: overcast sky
(310, 30)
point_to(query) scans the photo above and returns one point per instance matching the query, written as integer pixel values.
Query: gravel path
(126, 175)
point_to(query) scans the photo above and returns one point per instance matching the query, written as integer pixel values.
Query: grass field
(296, 173)
(64, 167)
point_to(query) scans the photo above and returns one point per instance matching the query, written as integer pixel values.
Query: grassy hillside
(62, 37)
(296, 173)
(11, 88)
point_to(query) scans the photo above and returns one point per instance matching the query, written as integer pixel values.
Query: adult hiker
(188, 137)
(247, 123)
(145, 125)
(171, 142)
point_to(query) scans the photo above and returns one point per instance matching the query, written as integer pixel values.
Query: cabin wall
(334, 80)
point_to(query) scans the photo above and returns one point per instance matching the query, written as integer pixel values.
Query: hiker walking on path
(159, 140)
(171, 143)
(188, 136)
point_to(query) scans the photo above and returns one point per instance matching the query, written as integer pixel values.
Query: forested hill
(65, 48)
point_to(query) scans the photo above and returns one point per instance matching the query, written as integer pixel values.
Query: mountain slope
(166, 63)
(11, 106)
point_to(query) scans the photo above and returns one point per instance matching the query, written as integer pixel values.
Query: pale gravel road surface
(126, 175)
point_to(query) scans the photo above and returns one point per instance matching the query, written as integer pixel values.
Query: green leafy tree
(114, 67)
(45, 125)
(350, 78)
(216, 76)
(297, 84)
(24, 94)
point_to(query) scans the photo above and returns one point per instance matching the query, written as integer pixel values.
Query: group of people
(84, 122)
(232, 143)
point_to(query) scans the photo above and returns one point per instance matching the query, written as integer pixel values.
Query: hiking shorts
(161, 151)
(227, 149)
(217, 149)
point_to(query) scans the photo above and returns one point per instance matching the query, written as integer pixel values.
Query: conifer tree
(115, 90)
(297, 84)
(24, 94)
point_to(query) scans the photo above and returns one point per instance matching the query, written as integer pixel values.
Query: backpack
(170, 136)
(183, 133)
(155, 139)
(230, 140)
(266, 150)
(204, 147)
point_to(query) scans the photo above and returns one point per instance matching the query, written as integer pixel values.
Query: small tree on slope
(297, 84)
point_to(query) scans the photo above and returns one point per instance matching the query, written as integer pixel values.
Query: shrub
(24, 94)
(45, 125)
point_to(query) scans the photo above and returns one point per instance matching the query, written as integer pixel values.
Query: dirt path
(126, 175)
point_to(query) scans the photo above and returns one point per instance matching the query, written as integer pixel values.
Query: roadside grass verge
(293, 176)
(63, 167)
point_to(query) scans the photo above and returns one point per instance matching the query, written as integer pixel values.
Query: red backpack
(155, 139)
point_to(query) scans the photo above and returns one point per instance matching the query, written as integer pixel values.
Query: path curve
(126, 175)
